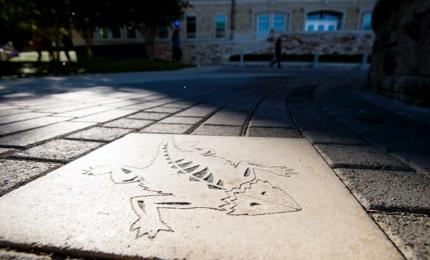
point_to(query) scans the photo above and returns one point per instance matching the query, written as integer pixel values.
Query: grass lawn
(24, 68)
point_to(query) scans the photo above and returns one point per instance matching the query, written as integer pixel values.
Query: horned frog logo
(187, 176)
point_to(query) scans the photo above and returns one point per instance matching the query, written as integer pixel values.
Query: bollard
(315, 64)
(242, 59)
(364, 61)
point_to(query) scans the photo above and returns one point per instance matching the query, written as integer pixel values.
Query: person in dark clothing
(176, 46)
(278, 53)
(67, 45)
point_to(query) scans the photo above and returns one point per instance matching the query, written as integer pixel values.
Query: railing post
(242, 59)
(315, 64)
(364, 61)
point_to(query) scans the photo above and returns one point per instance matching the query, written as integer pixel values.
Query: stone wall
(401, 55)
(212, 52)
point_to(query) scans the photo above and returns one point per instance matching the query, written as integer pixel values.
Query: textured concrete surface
(388, 190)
(129, 123)
(316, 216)
(167, 128)
(63, 150)
(356, 156)
(11, 255)
(410, 232)
(149, 116)
(218, 130)
(100, 134)
(14, 173)
(272, 132)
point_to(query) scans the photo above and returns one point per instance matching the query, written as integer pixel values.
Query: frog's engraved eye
(253, 204)
(263, 193)
(125, 171)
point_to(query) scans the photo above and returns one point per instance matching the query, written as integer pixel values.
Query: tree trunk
(149, 37)
(88, 39)
(232, 19)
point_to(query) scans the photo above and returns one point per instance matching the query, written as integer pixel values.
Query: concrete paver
(29, 124)
(129, 123)
(410, 232)
(297, 208)
(272, 132)
(149, 116)
(103, 134)
(62, 150)
(218, 130)
(45, 133)
(167, 128)
(105, 116)
(14, 173)
(388, 190)
(11, 255)
(358, 156)
(182, 120)
(21, 117)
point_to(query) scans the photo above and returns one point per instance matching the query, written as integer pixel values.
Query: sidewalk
(380, 155)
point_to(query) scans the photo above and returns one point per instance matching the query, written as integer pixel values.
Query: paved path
(377, 147)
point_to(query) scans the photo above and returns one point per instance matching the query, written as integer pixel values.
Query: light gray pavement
(379, 148)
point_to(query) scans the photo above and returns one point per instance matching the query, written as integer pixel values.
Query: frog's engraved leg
(118, 174)
(264, 169)
(147, 208)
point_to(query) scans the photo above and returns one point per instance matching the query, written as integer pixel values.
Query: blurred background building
(216, 31)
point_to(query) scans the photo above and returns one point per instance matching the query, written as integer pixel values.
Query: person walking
(176, 46)
(278, 53)
(67, 45)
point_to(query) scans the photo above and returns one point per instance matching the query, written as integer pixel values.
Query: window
(116, 32)
(131, 33)
(191, 27)
(220, 26)
(103, 33)
(323, 21)
(163, 32)
(366, 22)
(268, 21)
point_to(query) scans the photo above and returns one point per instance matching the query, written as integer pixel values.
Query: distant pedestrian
(278, 53)
(67, 45)
(176, 46)
(271, 36)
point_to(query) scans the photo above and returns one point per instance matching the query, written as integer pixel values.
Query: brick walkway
(380, 155)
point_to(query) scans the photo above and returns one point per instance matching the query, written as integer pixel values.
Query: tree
(148, 16)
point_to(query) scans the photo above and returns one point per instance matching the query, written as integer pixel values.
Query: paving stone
(42, 134)
(410, 233)
(167, 128)
(218, 130)
(85, 111)
(169, 110)
(354, 156)
(181, 105)
(149, 116)
(273, 132)
(13, 111)
(21, 117)
(388, 190)
(12, 255)
(182, 120)
(288, 203)
(6, 151)
(129, 123)
(14, 173)
(64, 150)
(226, 117)
(100, 134)
(66, 108)
(331, 134)
(198, 111)
(29, 124)
(105, 116)
(147, 105)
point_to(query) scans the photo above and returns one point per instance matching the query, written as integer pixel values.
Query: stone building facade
(401, 57)
(212, 31)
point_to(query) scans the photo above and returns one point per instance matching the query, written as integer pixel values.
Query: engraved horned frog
(187, 176)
